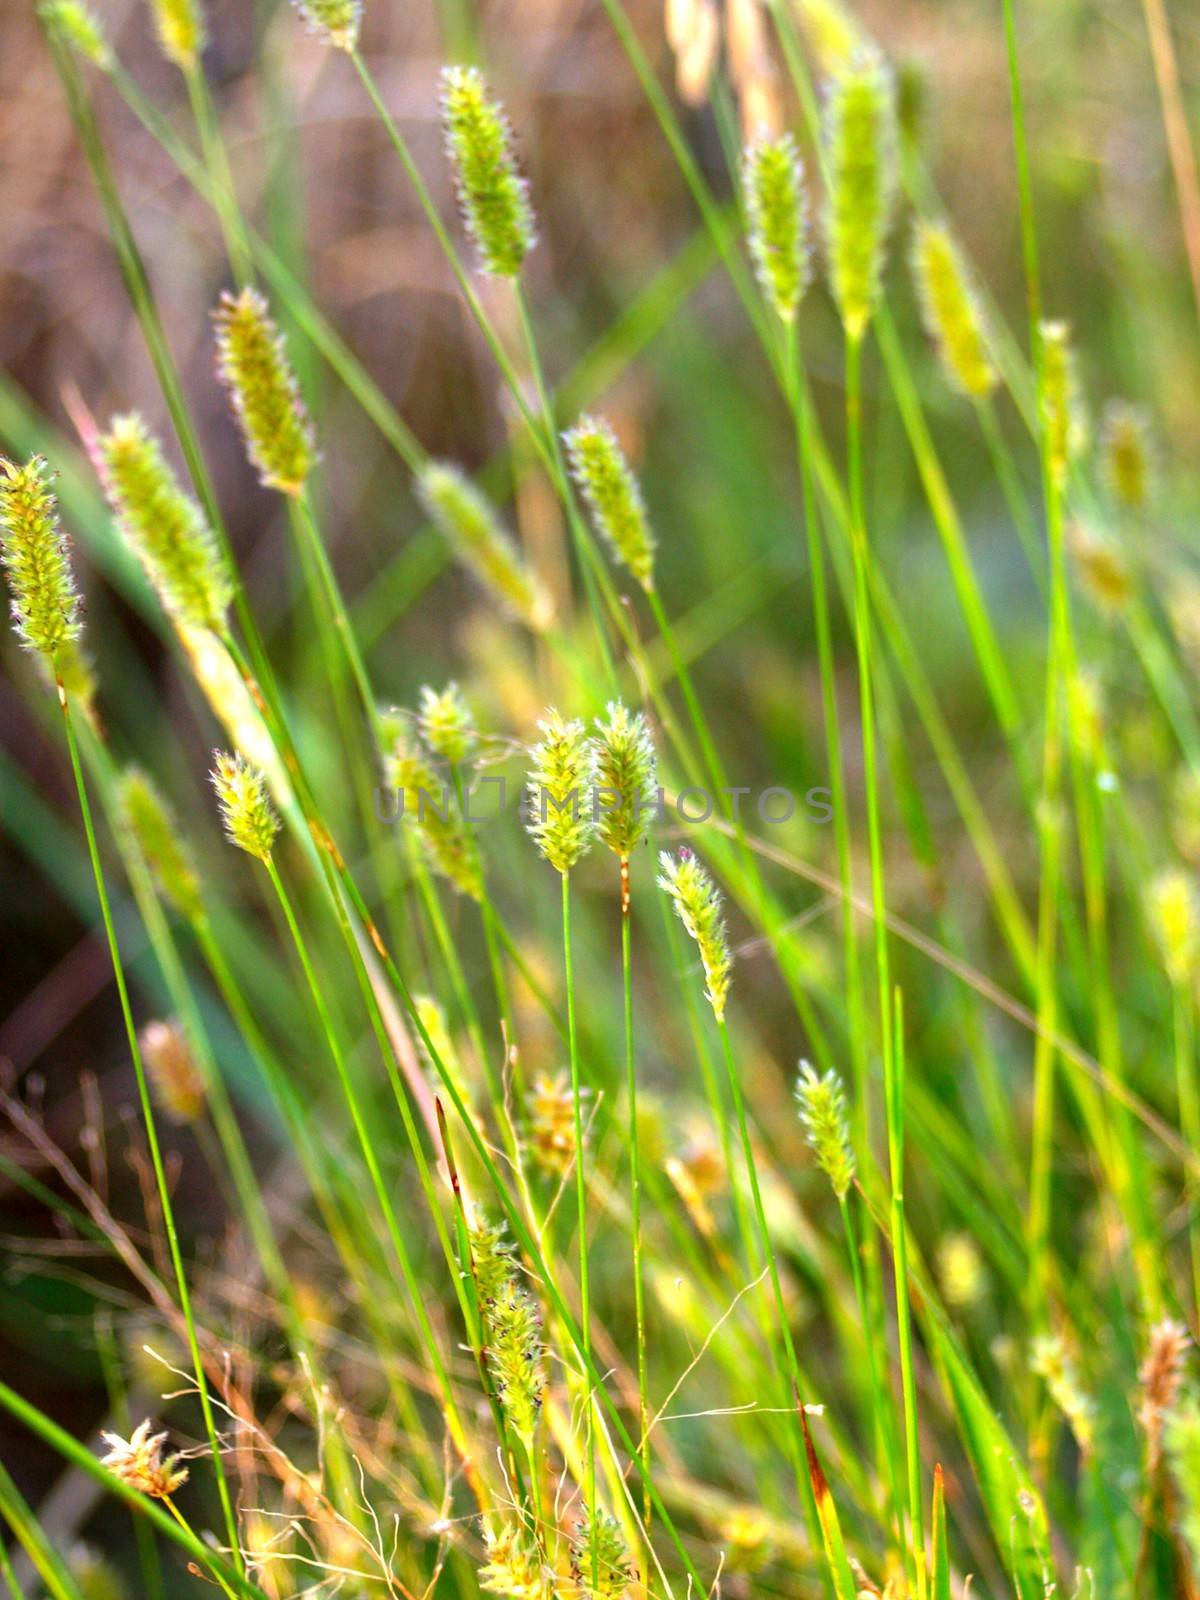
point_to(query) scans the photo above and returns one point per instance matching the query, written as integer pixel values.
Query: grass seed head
(960, 1270)
(1062, 410)
(164, 526)
(822, 1105)
(550, 1123)
(626, 778)
(697, 903)
(1174, 913)
(860, 139)
(493, 194)
(139, 1462)
(1102, 570)
(446, 724)
(34, 552)
(951, 312)
(1127, 454)
(252, 363)
(1054, 1364)
(431, 806)
(561, 792)
(777, 210)
(75, 24)
(605, 480)
(516, 1355)
(600, 1562)
(174, 1075)
(470, 524)
(248, 815)
(335, 21)
(1160, 1376)
(181, 30)
(514, 1565)
(833, 35)
(148, 818)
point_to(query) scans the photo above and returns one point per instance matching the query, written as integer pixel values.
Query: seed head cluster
(697, 903)
(953, 319)
(164, 526)
(35, 555)
(181, 31)
(335, 21)
(148, 818)
(474, 531)
(1127, 454)
(1174, 913)
(139, 1462)
(860, 139)
(822, 1106)
(77, 26)
(174, 1075)
(515, 1354)
(561, 792)
(626, 778)
(249, 817)
(446, 724)
(431, 807)
(253, 365)
(599, 1559)
(777, 211)
(614, 498)
(1062, 401)
(493, 194)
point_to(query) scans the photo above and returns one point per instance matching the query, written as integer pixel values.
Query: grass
(526, 1274)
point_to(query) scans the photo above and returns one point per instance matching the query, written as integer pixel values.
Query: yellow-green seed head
(515, 1354)
(599, 1558)
(833, 35)
(470, 524)
(822, 1106)
(960, 1270)
(1174, 915)
(626, 779)
(614, 498)
(953, 319)
(164, 525)
(174, 1075)
(431, 807)
(253, 365)
(697, 903)
(860, 142)
(336, 21)
(446, 724)
(1128, 454)
(561, 792)
(1182, 1438)
(248, 815)
(515, 1565)
(1062, 401)
(1054, 1364)
(148, 819)
(181, 31)
(35, 554)
(73, 23)
(777, 211)
(493, 194)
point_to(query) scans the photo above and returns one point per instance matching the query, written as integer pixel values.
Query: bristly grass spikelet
(605, 479)
(626, 780)
(181, 31)
(253, 365)
(950, 310)
(1174, 914)
(174, 1075)
(336, 21)
(248, 815)
(470, 523)
(514, 1331)
(431, 807)
(550, 1122)
(777, 212)
(860, 140)
(493, 194)
(1061, 401)
(148, 818)
(76, 25)
(514, 1564)
(697, 903)
(599, 1560)
(445, 722)
(561, 792)
(1127, 454)
(164, 526)
(1054, 1364)
(1160, 1376)
(822, 1105)
(139, 1462)
(36, 556)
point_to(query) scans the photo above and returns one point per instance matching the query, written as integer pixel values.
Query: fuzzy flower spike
(35, 554)
(773, 182)
(561, 792)
(335, 21)
(139, 1462)
(604, 478)
(253, 365)
(860, 141)
(248, 815)
(181, 31)
(472, 528)
(493, 194)
(697, 902)
(951, 311)
(627, 784)
(822, 1107)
